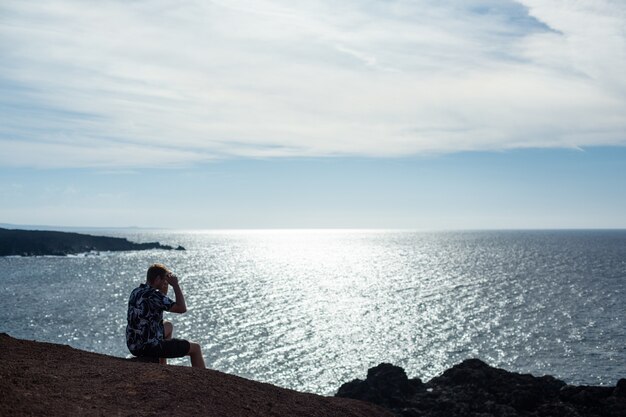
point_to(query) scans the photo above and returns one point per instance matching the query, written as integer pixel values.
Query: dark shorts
(172, 348)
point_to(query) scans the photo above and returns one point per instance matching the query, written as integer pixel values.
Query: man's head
(156, 276)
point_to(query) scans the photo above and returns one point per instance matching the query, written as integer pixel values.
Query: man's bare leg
(195, 353)
(169, 331)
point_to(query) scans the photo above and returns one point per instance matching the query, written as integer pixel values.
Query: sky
(313, 114)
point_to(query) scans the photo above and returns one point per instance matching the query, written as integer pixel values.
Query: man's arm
(180, 306)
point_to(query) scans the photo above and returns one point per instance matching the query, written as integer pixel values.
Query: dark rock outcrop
(386, 385)
(475, 389)
(39, 243)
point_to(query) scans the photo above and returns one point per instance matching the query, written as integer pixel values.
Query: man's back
(145, 317)
(146, 334)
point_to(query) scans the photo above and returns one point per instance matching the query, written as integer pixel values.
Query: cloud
(129, 84)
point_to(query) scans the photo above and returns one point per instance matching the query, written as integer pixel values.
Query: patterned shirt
(145, 317)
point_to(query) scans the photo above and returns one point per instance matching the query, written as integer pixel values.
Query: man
(146, 333)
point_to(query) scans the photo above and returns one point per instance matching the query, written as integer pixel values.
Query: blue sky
(262, 114)
(479, 190)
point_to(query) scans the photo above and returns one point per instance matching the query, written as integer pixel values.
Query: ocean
(312, 309)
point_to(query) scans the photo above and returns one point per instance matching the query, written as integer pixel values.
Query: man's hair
(155, 270)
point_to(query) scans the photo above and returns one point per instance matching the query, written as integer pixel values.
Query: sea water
(311, 309)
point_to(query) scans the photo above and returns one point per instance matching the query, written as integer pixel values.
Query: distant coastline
(15, 242)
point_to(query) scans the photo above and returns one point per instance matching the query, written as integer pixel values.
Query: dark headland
(39, 243)
(55, 380)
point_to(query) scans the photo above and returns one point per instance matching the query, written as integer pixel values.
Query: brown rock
(55, 380)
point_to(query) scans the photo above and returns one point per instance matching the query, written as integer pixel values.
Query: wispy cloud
(122, 84)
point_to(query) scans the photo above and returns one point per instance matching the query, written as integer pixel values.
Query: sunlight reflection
(310, 309)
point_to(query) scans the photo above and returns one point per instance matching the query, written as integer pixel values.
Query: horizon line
(296, 229)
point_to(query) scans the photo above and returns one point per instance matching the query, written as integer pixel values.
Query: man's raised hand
(172, 279)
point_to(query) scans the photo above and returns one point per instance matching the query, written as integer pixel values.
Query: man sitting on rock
(147, 335)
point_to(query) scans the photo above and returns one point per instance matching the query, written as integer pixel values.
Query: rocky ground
(55, 380)
(475, 389)
(43, 379)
